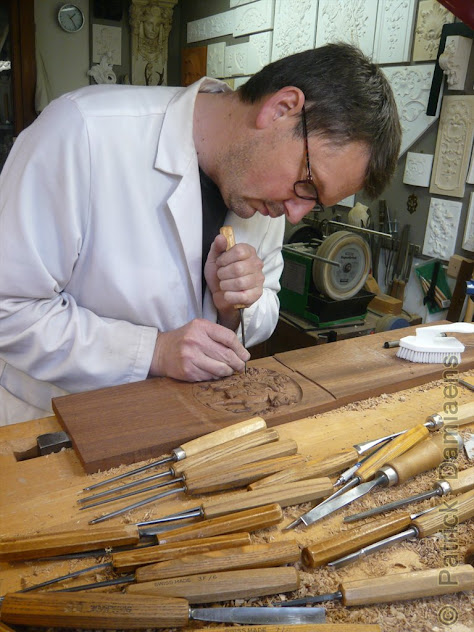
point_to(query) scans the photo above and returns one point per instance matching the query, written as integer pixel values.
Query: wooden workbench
(40, 494)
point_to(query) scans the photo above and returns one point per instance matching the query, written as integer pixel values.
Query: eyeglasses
(306, 189)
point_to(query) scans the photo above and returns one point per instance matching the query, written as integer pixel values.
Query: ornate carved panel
(418, 169)
(430, 20)
(295, 27)
(411, 87)
(470, 175)
(215, 60)
(235, 60)
(468, 239)
(453, 146)
(394, 31)
(259, 49)
(254, 17)
(347, 20)
(454, 60)
(442, 228)
(213, 26)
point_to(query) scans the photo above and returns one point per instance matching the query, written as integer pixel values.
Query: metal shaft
(371, 548)
(242, 327)
(107, 492)
(167, 459)
(375, 511)
(132, 493)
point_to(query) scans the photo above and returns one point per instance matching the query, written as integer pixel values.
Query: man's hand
(234, 277)
(198, 351)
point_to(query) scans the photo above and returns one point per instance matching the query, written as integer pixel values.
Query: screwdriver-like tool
(371, 466)
(194, 446)
(397, 587)
(456, 511)
(228, 233)
(462, 482)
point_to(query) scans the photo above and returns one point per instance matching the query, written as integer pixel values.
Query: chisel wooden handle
(462, 482)
(228, 233)
(412, 585)
(222, 435)
(313, 468)
(447, 515)
(222, 586)
(95, 611)
(250, 556)
(125, 561)
(424, 456)
(345, 542)
(463, 415)
(285, 494)
(393, 448)
(260, 517)
(237, 446)
(238, 476)
(5, 628)
(49, 544)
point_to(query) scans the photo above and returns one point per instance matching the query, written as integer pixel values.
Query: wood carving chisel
(452, 512)
(195, 446)
(248, 457)
(397, 587)
(65, 542)
(228, 233)
(204, 482)
(135, 612)
(460, 482)
(371, 467)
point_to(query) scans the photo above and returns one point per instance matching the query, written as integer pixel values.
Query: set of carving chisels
(212, 556)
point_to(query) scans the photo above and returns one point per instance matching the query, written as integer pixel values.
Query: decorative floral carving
(348, 20)
(468, 239)
(432, 16)
(295, 22)
(442, 228)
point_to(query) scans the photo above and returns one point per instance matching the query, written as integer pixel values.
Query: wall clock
(70, 18)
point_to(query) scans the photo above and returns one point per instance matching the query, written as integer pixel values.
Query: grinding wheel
(353, 254)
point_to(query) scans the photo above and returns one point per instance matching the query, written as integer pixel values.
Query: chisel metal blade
(259, 615)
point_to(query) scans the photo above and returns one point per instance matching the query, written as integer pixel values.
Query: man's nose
(297, 208)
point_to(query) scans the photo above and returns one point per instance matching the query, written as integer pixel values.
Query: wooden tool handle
(250, 556)
(223, 435)
(285, 494)
(239, 476)
(450, 513)
(464, 415)
(95, 610)
(5, 628)
(253, 519)
(393, 448)
(463, 482)
(345, 542)
(225, 450)
(228, 233)
(426, 455)
(61, 543)
(412, 585)
(223, 586)
(126, 561)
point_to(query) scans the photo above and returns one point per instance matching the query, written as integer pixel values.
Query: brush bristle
(427, 357)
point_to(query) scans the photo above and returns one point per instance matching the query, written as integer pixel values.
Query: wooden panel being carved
(453, 146)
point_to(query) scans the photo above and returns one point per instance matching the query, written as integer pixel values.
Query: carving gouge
(461, 482)
(134, 612)
(50, 544)
(371, 467)
(195, 446)
(397, 587)
(444, 516)
(228, 233)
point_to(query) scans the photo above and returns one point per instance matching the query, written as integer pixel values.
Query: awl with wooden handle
(444, 516)
(228, 233)
(134, 612)
(65, 542)
(461, 482)
(195, 446)
(397, 587)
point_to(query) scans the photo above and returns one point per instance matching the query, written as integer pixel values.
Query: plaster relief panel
(254, 17)
(295, 27)
(213, 26)
(215, 60)
(418, 169)
(470, 175)
(411, 87)
(454, 60)
(350, 21)
(238, 3)
(393, 31)
(453, 146)
(235, 59)
(431, 18)
(468, 239)
(259, 49)
(442, 228)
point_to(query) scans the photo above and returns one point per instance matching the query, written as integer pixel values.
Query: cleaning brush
(432, 346)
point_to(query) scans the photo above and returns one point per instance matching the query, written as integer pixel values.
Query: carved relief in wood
(430, 20)
(418, 169)
(453, 146)
(351, 21)
(468, 239)
(394, 31)
(442, 228)
(295, 27)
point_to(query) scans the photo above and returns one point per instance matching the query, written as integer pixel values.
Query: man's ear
(286, 102)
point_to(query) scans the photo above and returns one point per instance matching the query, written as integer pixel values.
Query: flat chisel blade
(259, 615)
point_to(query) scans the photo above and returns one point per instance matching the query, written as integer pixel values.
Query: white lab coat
(100, 241)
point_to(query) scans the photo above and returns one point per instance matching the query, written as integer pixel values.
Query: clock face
(70, 18)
